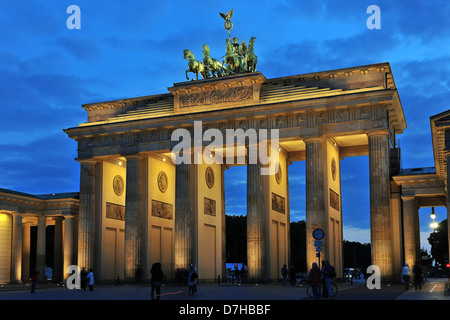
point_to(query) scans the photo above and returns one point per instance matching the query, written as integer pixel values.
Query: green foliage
(439, 243)
(298, 245)
(356, 254)
(236, 238)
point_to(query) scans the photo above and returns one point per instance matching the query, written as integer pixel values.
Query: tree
(298, 245)
(236, 238)
(439, 243)
(356, 254)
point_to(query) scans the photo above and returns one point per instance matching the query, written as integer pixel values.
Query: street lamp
(434, 226)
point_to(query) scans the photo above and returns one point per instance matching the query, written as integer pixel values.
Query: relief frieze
(234, 94)
(299, 120)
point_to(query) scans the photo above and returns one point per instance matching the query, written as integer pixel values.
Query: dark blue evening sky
(135, 48)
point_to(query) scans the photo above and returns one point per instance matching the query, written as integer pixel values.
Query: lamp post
(434, 226)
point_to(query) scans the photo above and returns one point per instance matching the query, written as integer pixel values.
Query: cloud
(351, 233)
(32, 168)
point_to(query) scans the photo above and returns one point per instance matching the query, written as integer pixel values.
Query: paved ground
(115, 298)
(433, 289)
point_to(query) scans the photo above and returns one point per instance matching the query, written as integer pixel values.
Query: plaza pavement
(224, 301)
(433, 289)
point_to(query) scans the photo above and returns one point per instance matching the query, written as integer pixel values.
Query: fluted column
(40, 247)
(409, 229)
(68, 244)
(16, 246)
(185, 206)
(223, 217)
(380, 222)
(133, 217)
(58, 250)
(257, 202)
(315, 196)
(447, 155)
(26, 246)
(87, 213)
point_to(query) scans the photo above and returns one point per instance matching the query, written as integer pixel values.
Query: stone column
(58, 250)
(223, 217)
(380, 222)
(447, 155)
(26, 246)
(16, 249)
(315, 197)
(40, 248)
(288, 216)
(409, 229)
(133, 218)
(86, 216)
(185, 209)
(68, 244)
(257, 202)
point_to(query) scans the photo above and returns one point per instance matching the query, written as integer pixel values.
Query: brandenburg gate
(139, 204)
(138, 207)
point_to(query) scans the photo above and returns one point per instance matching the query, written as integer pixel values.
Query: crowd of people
(322, 277)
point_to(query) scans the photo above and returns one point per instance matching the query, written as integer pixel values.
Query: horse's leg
(187, 75)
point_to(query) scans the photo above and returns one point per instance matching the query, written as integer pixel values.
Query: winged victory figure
(227, 17)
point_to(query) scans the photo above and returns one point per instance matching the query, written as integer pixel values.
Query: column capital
(378, 133)
(15, 213)
(135, 156)
(87, 160)
(407, 197)
(315, 139)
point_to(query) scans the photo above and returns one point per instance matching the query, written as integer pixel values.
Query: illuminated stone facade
(137, 207)
(321, 117)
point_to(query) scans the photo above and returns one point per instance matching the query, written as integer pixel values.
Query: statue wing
(230, 14)
(223, 15)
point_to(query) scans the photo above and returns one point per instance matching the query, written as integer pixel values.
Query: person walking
(293, 280)
(314, 276)
(83, 278)
(90, 280)
(418, 277)
(284, 273)
(328, 273)
(157, 278)
(34, 279)
(406, 275)
(192, 279)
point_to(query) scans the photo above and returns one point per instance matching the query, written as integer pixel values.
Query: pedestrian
(192, 279)
(90, 280)
(293, 276)
(236, 274)
(406, 275)
(314, 276)
(328, 273)
(83, 278)
(34, 279)
(157, 278)
(243, 273)
(48, 273)
(418, 277)
(284, 273)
